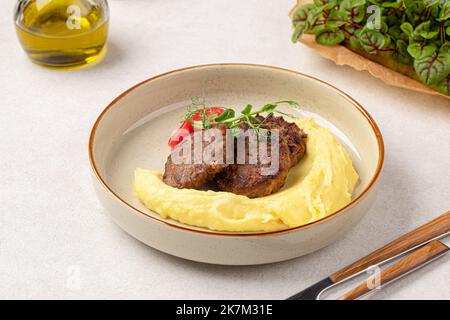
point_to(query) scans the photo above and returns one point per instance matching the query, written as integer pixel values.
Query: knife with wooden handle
(421, 236)
(414, 261)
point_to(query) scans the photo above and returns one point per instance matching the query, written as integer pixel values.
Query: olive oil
(62, 33)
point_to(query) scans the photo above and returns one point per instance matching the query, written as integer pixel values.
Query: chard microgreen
(426, 30)
(299, 20)
(407, 28)
(401, 53)
(395, 4)
(411, 32)
(353, 9)
(444, 14)
(336, 19)
(373, 41)
(444, 85)
(432, 69)
(421, 50)
(330, 38)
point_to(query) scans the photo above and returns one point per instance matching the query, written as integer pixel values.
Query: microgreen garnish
(410, 32)
(248, 116)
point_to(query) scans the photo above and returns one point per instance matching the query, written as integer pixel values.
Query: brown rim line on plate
(241, 234)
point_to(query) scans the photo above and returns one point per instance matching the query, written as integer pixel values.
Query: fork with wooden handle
(420, 239)
(414, 261)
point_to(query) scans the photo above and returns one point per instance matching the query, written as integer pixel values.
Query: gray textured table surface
(52, 227)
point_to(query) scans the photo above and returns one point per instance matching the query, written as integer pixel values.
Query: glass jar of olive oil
(62, 34)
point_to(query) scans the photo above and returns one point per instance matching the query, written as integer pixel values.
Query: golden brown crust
(296, 138)
(248, 179)
(193, 176)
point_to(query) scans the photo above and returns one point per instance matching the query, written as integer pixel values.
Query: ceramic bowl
(133, 130)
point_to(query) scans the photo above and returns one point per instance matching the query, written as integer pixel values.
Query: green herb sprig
(410, 32)
(229, 117)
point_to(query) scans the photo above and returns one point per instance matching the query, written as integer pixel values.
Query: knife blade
(313, 292)
(434, 230)
(412, 262)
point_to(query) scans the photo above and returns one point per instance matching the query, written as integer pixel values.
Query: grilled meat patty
(250, 179)
(184, 173)
(295, 137)
(254, 180)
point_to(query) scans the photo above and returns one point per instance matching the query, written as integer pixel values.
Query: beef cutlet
(186, 174)
(256, 180)
(249, 179)
(295, 137)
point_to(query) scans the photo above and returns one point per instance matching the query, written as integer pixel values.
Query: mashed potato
(320, 184)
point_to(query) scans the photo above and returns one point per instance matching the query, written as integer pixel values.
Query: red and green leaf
(444, 85)
(373, 41)
(431, 70)
(420, 50)
(330, 38)
(299, 20)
